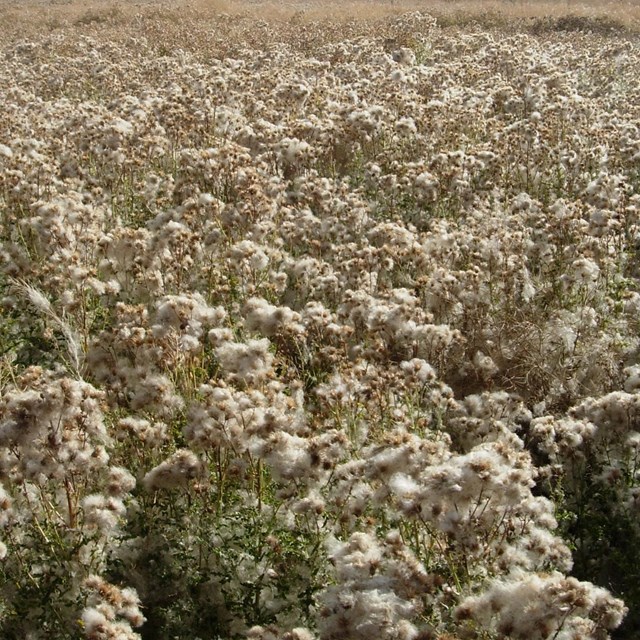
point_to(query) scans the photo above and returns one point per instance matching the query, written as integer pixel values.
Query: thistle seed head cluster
(317, 330)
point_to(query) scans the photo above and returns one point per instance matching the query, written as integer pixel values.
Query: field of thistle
(318, 328)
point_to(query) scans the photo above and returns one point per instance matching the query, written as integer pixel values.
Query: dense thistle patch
(305, 329)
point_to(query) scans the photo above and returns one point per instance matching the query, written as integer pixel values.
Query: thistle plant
(318, 329)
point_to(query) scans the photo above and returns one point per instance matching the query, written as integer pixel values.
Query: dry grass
(612, 16)
(626, 13)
